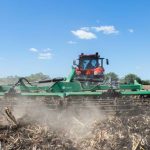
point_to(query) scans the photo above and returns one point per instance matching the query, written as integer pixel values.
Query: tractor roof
(96, 55)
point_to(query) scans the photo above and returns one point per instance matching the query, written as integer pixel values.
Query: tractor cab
(90, 66)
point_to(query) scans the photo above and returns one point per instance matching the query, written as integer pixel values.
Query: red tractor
(90, 67)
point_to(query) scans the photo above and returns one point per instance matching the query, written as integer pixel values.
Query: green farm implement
(85, 87)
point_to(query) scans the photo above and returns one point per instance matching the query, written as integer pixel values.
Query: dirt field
(146, 87)
(41, 129)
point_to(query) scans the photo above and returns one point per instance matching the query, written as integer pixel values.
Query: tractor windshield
(88, 63)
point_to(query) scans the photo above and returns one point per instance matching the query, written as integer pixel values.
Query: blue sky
(46, 35)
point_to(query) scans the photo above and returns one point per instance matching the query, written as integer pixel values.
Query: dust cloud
(76, 121)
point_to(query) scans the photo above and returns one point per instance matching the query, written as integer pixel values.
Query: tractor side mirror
(107, 61)
(74, 63)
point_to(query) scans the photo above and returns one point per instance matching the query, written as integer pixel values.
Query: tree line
(129, 78)
(31, 78)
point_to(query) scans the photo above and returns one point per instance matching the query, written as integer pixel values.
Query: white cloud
(45, 55)
(82, 34)
(106, 29)
(42, 54)
(47, 50)
(33, 50)
(72, 42)
(85, 28)
(131, 30)
(89, 32)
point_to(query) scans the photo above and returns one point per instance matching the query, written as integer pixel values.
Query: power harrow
(85, 87)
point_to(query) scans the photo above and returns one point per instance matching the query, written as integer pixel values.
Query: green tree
(129, 78)
(37, 77)
(111, 75)
(146, 82)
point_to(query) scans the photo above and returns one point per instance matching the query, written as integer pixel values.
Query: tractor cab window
(94, 63)
(88, 63)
